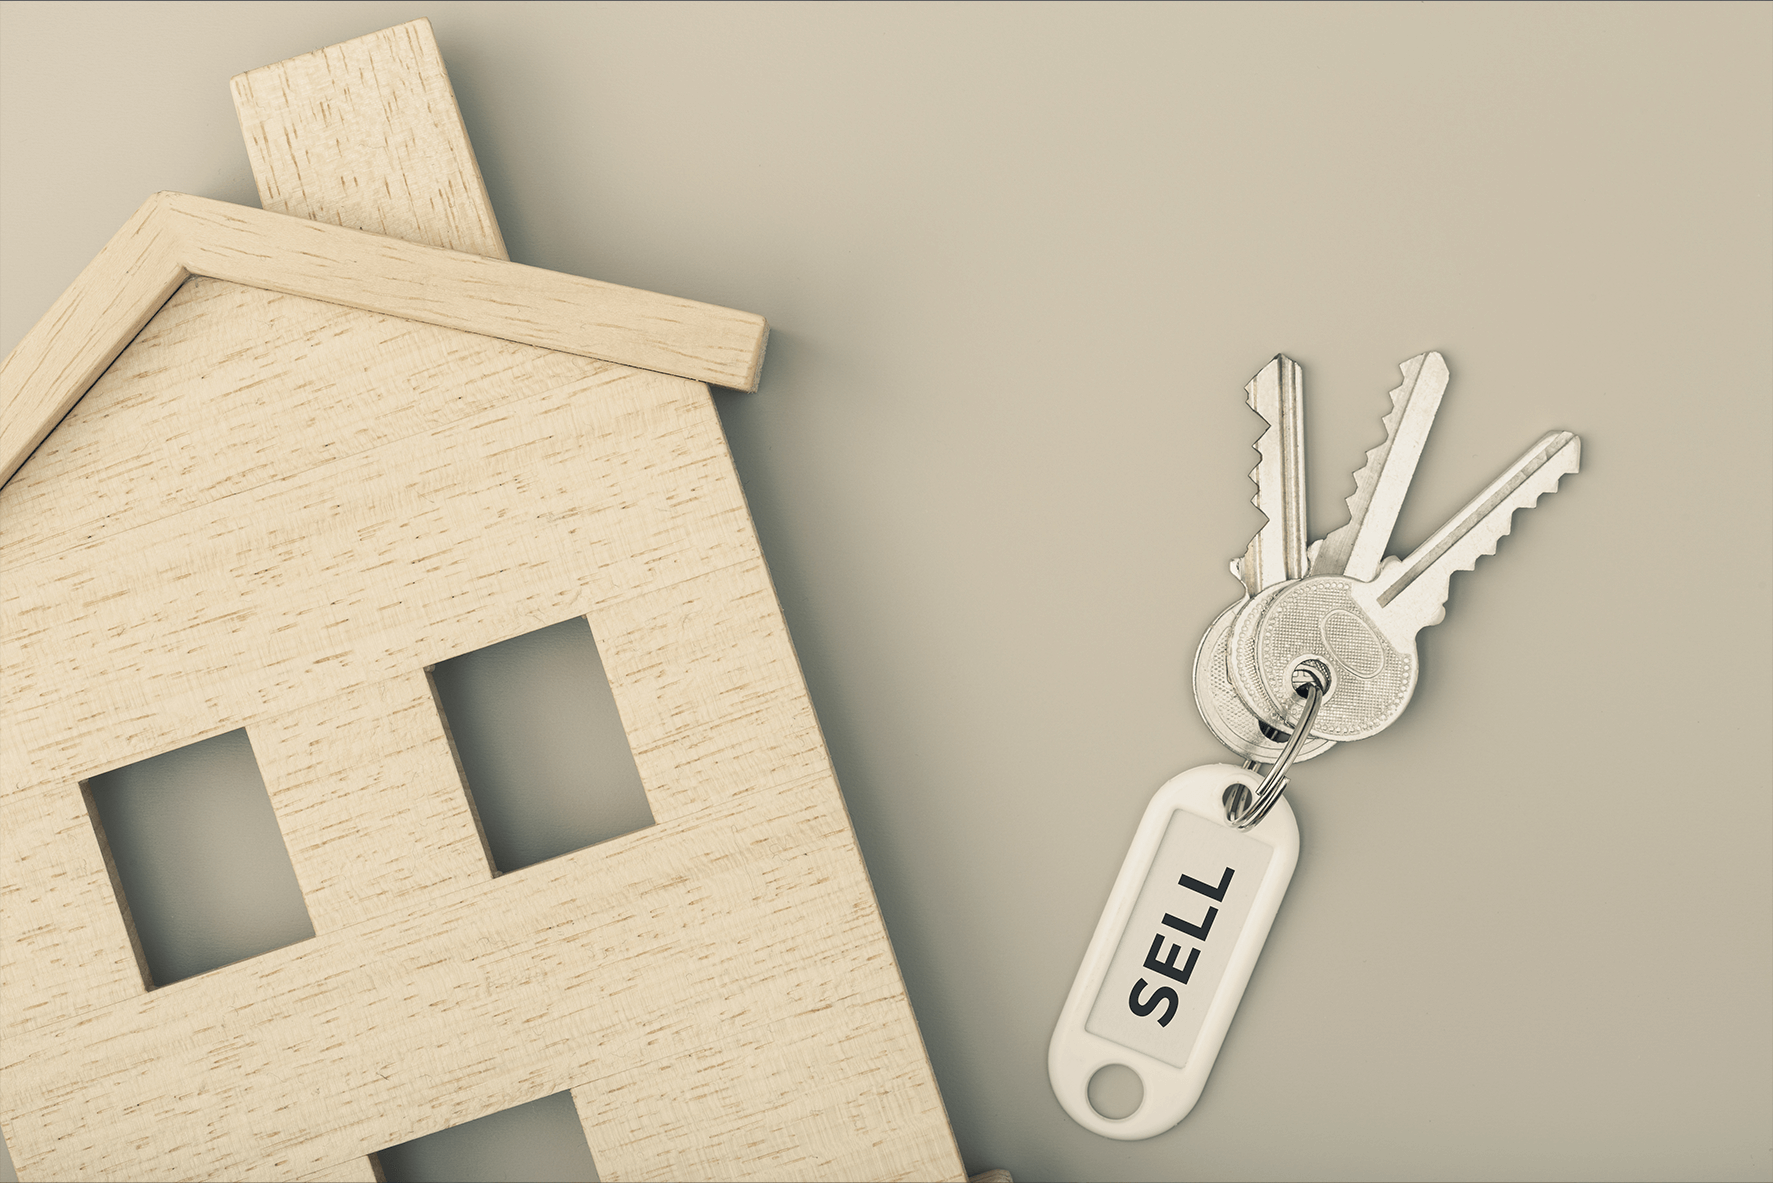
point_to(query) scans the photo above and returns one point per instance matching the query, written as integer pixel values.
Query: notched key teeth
(1276, 552)
(1384, 476)
(1421, 587)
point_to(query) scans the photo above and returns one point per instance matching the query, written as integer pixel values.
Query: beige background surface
(1020, 262)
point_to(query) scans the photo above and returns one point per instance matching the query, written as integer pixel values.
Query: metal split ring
(1244, 809)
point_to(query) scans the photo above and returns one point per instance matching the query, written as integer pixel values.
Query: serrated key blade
(1277, 553)
(1413, 595)
(1355, 549)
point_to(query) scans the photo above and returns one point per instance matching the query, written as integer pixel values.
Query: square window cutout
(196, 859)
(541, 747)
(540, 1142)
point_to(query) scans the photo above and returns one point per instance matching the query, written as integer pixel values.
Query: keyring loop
(1243, 817)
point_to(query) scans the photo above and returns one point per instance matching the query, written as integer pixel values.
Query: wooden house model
(263, 469)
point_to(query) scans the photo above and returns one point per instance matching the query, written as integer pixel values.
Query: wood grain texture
(84, 330)
(175, 236)
(376, 379)
(202, 613)
(354, 776)
(491, 297)
(364, 1170)
(329, 461)
(716, 988)
(688, 977)
(367, 134)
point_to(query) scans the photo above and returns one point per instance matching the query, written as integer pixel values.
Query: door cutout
(540, 1141)
(197, 862)
(541, 748)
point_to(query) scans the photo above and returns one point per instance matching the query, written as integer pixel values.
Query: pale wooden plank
(389, 560)
(64, 947)
(712, 698)
(174, 236)
(709, 717)
(650, 1122)
(87, 326)
(370, 801)
(183, 416)
(738, 948)
(367, 134)
(565, 312)
(603, 500)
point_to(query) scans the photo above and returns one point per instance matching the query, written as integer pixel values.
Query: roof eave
(174, 236)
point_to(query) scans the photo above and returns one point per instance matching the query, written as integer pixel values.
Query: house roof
(174, 236)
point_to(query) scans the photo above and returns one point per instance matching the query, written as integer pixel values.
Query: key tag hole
(1237, 799)
(1116, 1092)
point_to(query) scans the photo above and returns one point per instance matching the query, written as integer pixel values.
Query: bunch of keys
(1320, 650)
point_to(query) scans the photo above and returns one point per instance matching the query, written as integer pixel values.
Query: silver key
(1364, 632)
(1380, 485)
(1277, 553)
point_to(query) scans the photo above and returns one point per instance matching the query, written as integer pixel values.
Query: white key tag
(1173, 951)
